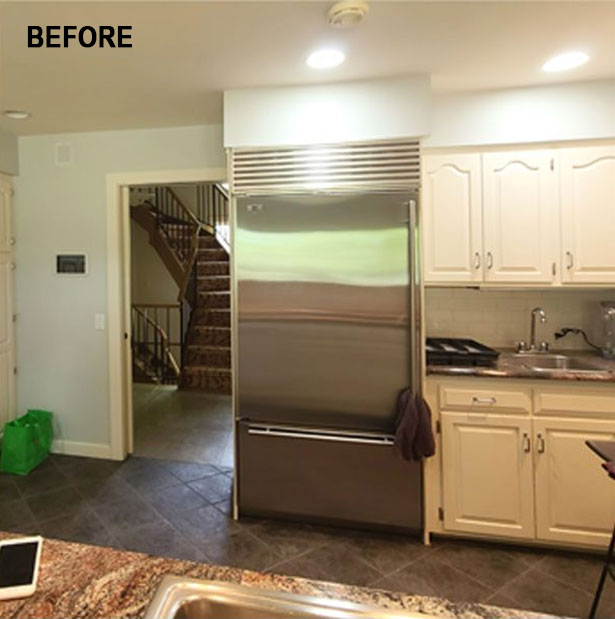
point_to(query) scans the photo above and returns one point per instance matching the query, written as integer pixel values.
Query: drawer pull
(527, 447)
(484, 401)
(540, 444)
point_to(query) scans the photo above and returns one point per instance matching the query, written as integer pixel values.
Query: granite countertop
(511, 366)
(77, 580)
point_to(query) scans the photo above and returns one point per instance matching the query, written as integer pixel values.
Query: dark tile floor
(182, 509)
(193, 426)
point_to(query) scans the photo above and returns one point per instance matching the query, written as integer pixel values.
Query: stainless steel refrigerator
(328, 293)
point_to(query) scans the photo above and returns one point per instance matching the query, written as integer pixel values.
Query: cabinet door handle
(540, 443)
(554, 269)
(570, 260)
(478, 400)
(12, 241)
(489, 260)
(476, 260)
(527, 446)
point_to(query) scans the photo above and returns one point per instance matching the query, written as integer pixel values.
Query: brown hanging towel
(414, 438)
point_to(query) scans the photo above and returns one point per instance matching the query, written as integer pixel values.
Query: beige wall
(62, 360)
(150, 279)
(9, 159)
(501, 318)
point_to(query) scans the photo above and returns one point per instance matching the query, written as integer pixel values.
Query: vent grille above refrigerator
(368, 166)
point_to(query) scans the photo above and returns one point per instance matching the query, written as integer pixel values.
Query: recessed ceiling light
(16, 114)
(325, 58)
(564, 62)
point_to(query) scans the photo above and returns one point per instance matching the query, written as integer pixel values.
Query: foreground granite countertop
(77, 580)
(509, 366)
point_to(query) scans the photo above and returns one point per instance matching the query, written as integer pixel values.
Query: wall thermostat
(71, 264)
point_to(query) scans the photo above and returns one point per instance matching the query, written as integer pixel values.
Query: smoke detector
(347, 13)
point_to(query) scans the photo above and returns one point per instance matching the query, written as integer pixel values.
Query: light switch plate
(99, 322)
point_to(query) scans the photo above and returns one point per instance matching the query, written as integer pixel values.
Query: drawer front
(460, 398)
(575, 402)
(324, 478)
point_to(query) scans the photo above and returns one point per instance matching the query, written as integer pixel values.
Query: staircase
(195, 249)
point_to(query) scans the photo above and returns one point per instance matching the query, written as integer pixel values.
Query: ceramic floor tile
(538, 591)
(159, 538)
(174, 500)
(490, 564)
(41, 480)
(82, 525)
(215, 488)
(15, 514)
(329, 563)
(239, 549)
(8, 488)
(189, 471)
(55, 503)
(429, 576)
(127, 514)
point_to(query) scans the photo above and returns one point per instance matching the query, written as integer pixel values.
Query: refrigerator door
(323, 307)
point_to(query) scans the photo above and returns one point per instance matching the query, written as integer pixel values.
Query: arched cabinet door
(520, 216)
(588, 215)
(451, 216)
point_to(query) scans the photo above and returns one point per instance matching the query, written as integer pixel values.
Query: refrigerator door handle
(321, 436)
(415, 274)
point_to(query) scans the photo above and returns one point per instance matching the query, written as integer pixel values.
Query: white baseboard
(75, 448)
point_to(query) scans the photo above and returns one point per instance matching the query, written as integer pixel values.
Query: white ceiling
(186, 54)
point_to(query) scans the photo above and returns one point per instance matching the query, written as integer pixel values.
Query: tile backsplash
(500, 318)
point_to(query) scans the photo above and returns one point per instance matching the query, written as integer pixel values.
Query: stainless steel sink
(180, 598)
(553, 362)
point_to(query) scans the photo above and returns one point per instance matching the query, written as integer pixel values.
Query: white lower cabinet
(488, 476)
(575, 500)
(529, 476)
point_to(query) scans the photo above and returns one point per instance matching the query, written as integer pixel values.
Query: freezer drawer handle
(322, 437)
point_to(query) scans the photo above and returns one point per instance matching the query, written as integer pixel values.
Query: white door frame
(7, 256)
(118, 291)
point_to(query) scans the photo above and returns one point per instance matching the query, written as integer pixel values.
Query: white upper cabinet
(520, 216)
(588, 215)
(452, 218)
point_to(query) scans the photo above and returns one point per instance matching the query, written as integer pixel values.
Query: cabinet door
(588, 215)
(7, 391)
(520, 217)
(452, 218)
(487, 474)
(575, 499)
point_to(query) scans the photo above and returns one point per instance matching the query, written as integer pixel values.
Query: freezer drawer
(316, 475)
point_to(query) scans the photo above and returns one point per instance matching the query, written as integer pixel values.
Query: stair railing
(150, 342)
(213, 211)
(177, 222)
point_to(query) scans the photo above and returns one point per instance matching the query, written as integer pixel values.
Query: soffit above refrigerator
(336, 113)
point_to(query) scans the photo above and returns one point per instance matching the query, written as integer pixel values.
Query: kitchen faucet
(531, 347)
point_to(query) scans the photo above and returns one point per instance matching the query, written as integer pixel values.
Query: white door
(588, 215)
(520, 217)
(452, 218)
(575, 499)
(487, 474)
(7, 363)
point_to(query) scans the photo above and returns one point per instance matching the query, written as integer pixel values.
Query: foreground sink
(184, 597)
(552, 362)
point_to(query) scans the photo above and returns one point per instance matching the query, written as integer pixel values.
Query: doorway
(175, 416)
(180, 322)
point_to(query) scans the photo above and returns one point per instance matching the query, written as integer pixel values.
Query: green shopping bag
(26, 442)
